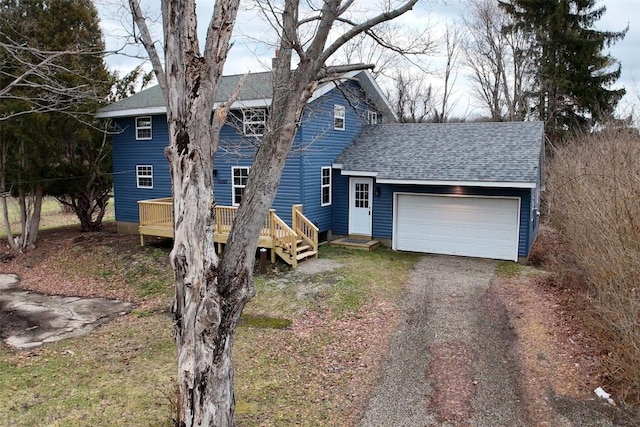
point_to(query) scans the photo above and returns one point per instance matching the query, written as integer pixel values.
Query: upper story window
(325, 186)
(338, 117)
(143, 127)
(144, 176)
(254, 121)
(372, 117)
(240, 176)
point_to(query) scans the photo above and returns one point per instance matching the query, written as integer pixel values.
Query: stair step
(298, 242)
(303, 248)
(306, 254)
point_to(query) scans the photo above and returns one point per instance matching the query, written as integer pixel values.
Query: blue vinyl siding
(320, 144)
(383, 207)
(129, 152)
(316, 145)
(341, 203)
(235, 150)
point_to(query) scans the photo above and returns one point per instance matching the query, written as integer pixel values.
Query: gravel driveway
(451, 360)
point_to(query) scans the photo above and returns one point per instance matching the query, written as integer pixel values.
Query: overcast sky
(250, 55)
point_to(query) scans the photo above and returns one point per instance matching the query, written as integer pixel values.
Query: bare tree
(211, 292)
(38, 79)
(381, 46)
(500, 69)
(452, 41)
(411, 97)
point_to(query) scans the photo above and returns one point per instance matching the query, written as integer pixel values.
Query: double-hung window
(240, 175)
(143, 128)
(325, 186)
(254, 121)
(372, 117)
(338, 117)
(144, 176)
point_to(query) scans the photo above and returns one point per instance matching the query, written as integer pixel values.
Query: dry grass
(316, 372)
(593, 193)
(52, 215)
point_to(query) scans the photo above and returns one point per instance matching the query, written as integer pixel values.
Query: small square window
(254, 121)
(325, 186)
(143, 127)
(338, 117)
(240, 177)
(372, 117)
(144, 176)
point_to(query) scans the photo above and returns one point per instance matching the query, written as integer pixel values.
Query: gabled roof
(489, 153)
(256, 92)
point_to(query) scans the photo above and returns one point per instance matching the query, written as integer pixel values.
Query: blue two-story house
(468, 189)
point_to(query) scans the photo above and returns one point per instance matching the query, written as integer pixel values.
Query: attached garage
(468, 189)
(484, 227)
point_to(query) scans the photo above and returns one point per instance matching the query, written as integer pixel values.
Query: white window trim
(144, 175)
(234, 185)
(247, 122)
(372, 117)
(339, 114)
(323, 185)
(138, 128)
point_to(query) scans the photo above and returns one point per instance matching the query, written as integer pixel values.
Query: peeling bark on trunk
(206, 308)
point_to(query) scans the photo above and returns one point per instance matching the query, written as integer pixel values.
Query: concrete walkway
(450, 361)
(30, 319)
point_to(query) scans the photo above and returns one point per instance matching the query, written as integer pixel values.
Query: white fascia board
(250, 103)
(337, 165)
(381, 94)
(149, 111)
(358, 173)
(351, 75)
(327, 87)
(499, 184)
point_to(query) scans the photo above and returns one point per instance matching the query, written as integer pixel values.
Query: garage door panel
(470, 226)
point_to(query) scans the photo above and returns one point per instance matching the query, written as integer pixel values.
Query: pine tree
(52, 80)
(573, 74)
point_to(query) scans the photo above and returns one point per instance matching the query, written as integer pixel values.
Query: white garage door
(485, 227)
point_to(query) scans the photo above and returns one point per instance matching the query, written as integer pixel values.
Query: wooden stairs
(302, 251)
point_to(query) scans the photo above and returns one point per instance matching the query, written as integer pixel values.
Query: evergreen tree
(52, 80)
(573, 75)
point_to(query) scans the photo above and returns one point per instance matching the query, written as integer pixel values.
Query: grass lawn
(306, 354)
(52, 215)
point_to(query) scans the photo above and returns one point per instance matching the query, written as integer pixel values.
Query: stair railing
(304, 228)
(284, 237)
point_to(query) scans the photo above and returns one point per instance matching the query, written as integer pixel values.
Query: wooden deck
(292, 244)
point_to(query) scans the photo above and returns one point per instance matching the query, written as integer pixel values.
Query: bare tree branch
(149, 45)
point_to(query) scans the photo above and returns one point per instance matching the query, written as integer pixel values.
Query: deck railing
(226, 214)
(157, 212)
(156, 219)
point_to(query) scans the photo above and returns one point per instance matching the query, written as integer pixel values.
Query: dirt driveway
(453, 360)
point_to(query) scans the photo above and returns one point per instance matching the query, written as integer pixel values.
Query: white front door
(360, 201)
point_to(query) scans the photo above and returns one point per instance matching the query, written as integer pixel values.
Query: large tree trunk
(206, 309)
(210, 297)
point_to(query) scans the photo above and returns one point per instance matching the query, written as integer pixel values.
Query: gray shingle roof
(256, 87)
(488, 151)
